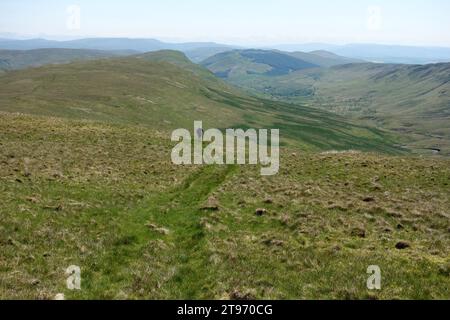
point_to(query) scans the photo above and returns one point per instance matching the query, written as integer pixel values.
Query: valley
(409, 100)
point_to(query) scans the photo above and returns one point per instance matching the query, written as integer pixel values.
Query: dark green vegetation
(165, 90)
(86, 179)
(200, 54)
(233, 65)
(324, 58)
(20, 59)
(240, 63)
(410, 100)
(106, 197)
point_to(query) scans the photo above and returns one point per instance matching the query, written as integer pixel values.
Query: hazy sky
(415, 22)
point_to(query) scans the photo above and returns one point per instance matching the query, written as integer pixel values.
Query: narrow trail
(186, 237)
(179, 212)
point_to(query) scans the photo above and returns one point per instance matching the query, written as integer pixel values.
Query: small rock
(445, 270)
(211, 204)
(35, 282)
(260, 212)
(358, 232)
(273, 242)
(238, 295)
(60, 296)
(336, 248)
(57, 208)
(368, 199)
(394, 214)
(402, 245)
(160, 230)
(32, 199)
(376, 186)
(268, 201)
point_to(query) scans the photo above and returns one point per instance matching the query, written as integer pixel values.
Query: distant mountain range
(377, 52)
(198, 51)
(274, 62)
(143, 45)
(411, 100)
(20, 59)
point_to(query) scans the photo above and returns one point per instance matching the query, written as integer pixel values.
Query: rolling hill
(200, 54)
(412, 100)
(165, 90)
(380, 53)
(395, 53)
(323, 58)
(196, 50)
(115, 44)
(20, 59)
(239, 63)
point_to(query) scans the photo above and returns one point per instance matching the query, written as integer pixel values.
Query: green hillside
(165, 90)
(200, 54)
(239, 63)
(410, 100)
(20, 59)
(107, 198)
(323, 58)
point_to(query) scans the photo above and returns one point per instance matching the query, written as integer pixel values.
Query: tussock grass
(105, 197)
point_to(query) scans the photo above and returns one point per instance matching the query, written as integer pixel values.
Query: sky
(240, 22)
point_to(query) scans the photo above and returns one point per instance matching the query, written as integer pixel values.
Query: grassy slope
(20, 59)
(105, 197)
(164, 90)
(238, 63)
(409, 99)
(235, 64)
(323, 58)
(200, 54)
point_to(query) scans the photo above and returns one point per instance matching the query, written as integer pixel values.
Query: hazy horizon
(249, 23)
(11, 36)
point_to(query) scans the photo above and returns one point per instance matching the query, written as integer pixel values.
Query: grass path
(166, 231)
(187, 238)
